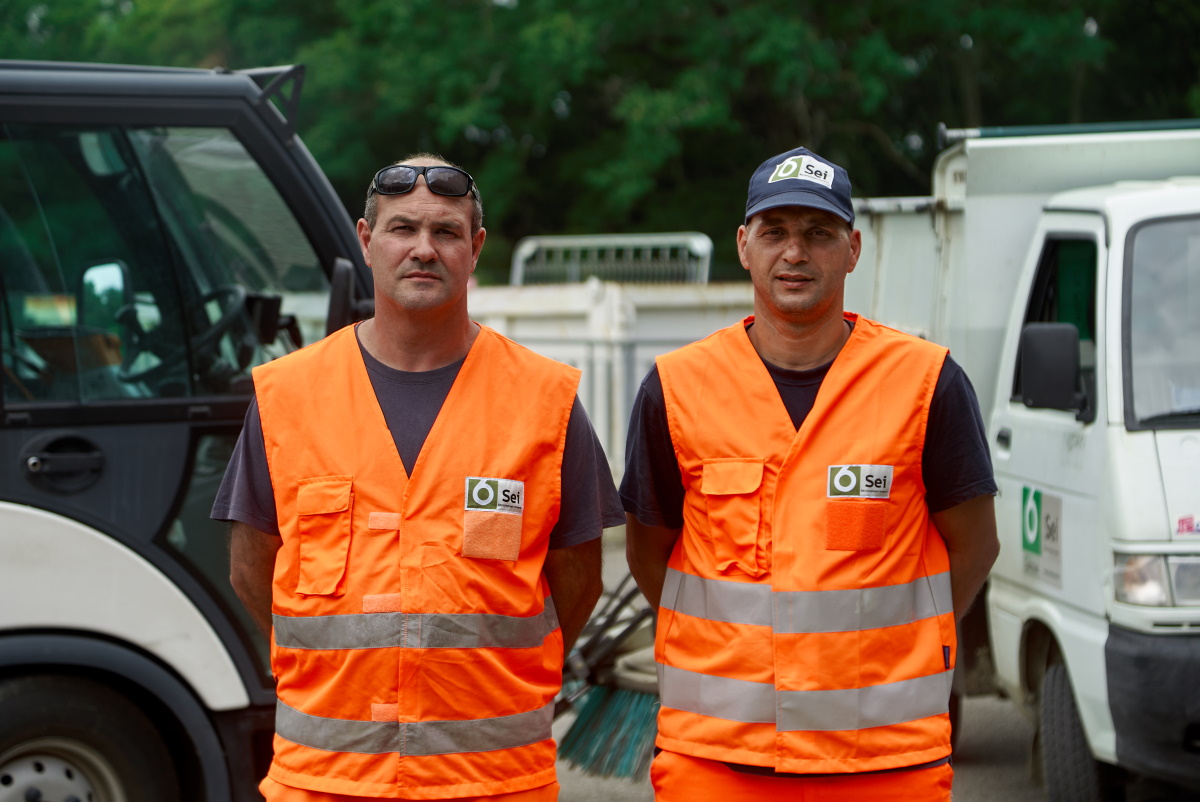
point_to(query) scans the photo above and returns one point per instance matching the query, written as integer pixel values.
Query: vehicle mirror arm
(291, 325)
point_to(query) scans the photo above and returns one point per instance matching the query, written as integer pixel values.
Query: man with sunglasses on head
(809, 501)
(417, 505)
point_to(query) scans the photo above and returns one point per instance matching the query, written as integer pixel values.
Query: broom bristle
(613, 736)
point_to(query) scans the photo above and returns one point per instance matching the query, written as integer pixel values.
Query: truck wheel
(66, 738)
(1071, 773)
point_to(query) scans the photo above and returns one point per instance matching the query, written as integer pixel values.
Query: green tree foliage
(643, 115)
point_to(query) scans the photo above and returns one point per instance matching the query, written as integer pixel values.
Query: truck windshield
(1163, 277)
(141, 262)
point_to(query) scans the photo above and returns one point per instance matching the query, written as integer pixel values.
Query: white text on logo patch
(860, 481)
(495, 495)
(806, 168)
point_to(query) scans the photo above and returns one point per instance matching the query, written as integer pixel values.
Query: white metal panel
(1179, 458)
(1049, 164)
(56, 573)
(610, 331)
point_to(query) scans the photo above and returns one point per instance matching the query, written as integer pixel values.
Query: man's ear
(364, 239)
(741, 246)
(855, 249)
(477, 247)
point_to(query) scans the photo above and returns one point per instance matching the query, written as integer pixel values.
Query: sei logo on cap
(495, 495)
(805, 168)
(860, 481)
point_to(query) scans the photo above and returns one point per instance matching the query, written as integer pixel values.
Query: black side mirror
(344, 305)
(1050, 374)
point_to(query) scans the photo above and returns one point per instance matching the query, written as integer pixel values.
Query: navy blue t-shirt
(956, 465)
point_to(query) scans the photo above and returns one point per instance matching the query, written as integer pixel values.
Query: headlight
(1185, 579)
(1141, 579)
(1155, 580)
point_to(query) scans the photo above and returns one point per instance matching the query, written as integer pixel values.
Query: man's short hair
(371, 208)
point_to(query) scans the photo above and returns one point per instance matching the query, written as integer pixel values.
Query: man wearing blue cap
(809, 504)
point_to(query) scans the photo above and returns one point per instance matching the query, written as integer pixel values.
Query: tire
(64, 738)
(1071, 773)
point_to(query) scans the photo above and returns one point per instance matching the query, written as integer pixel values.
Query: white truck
(1062, 269)
(161, 232)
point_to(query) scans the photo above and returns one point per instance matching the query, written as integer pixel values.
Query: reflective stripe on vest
(717, 599)
(860, 708)
(415, 630)
(835, 710)
(718, 697)
(798, 612)
(413, 737)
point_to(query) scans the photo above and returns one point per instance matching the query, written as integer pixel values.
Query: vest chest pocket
(325, 507)
(731, 488)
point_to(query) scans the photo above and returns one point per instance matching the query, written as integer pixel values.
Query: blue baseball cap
(800, 178)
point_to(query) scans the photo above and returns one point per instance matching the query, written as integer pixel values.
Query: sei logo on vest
(495, 495)
(860, 481)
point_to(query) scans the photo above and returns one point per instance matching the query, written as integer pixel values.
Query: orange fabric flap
(383, 520)
(732, 476)
(324, 494)
(491, 535)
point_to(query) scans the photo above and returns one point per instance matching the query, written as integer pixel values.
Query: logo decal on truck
(806, 168)
(1041, 535)
(860, 481)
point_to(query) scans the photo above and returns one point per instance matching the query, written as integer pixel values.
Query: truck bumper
(1154, 695)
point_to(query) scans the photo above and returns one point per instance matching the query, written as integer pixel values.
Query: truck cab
(161, 233)
(1097, 454)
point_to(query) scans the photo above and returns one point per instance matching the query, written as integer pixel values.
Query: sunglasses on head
(441, 180)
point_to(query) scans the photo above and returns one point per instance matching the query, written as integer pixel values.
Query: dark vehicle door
(151, 254)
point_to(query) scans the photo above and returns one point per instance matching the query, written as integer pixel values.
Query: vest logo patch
(860, 481)
(806, 168)
(495, 495)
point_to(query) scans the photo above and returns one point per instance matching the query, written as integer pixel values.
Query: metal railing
(679, 257)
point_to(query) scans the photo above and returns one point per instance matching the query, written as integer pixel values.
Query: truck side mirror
(345, 307)
(1050, 375)
(104, 289)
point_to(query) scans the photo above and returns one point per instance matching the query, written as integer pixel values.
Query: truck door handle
(62, 462)
(47, 463)
(1004, 437)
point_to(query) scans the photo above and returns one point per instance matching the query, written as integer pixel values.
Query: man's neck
(799, 346)
(416, 343)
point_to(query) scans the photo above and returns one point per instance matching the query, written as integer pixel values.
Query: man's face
(798, 258)
(421, 251)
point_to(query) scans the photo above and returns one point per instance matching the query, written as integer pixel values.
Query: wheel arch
(109, 589)
(1039, 650)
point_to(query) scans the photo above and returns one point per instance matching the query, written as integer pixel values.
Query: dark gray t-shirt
(410, 404)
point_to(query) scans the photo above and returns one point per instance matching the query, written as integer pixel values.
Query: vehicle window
(140, 263)
(1064, 291)
(1162, 298)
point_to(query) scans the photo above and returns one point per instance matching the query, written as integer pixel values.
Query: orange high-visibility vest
(806, 620)
(416, 649)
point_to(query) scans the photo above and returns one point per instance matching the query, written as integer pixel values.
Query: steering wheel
(233, 303)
